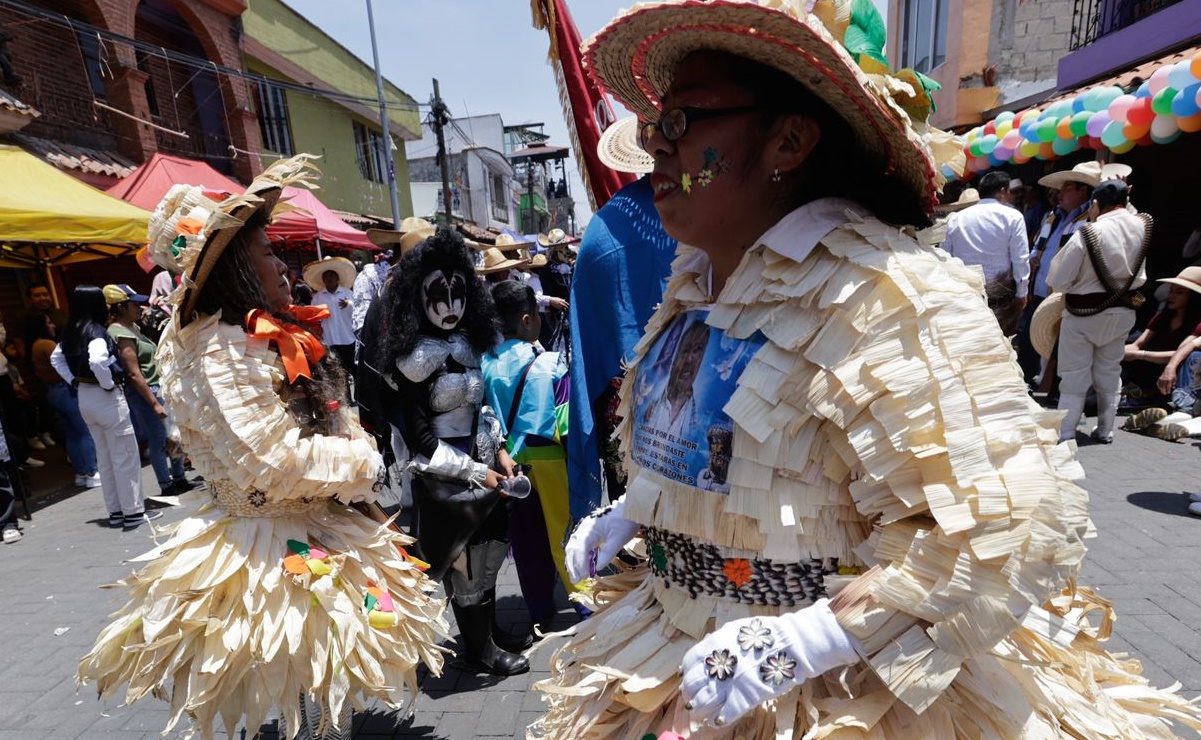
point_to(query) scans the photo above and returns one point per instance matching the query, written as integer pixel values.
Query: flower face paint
(714, 166)
(445, 298)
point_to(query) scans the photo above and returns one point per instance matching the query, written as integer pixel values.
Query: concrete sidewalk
(52, 609)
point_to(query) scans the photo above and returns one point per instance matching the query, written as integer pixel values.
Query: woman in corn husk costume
(276, 588)
(890, 548)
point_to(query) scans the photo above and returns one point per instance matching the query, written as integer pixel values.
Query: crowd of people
(776, 449)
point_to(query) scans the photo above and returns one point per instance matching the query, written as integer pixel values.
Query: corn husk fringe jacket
(881, 433)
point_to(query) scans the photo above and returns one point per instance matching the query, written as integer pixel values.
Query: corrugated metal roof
(70, 157)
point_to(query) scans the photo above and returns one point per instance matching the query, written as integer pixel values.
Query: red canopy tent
(315, 226)
(146, 185)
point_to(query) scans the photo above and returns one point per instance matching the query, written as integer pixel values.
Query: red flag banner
(587, 110)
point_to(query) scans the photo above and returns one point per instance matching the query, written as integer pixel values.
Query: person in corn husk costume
(893, 550)
(276, 588)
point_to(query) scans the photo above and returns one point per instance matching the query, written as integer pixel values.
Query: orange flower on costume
(738, 570)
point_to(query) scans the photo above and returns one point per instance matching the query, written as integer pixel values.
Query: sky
(486, 54)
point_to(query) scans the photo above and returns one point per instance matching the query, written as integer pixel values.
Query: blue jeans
(1188, 385)
(166, 471)
(80, 447)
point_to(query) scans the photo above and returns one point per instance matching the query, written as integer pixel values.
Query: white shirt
(1119, 239)
(993, 236)
(339, 327)
(98, 360)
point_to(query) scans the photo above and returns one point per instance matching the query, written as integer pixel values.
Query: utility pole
(385, 140)
(441, 116)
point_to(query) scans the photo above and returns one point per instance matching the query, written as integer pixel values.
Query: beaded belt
(699, 568)
(254, 503)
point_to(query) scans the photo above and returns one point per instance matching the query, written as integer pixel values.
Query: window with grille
(500, 199)
(273, 118)
(924, 44)
(368, 147)
(143, 60)
(94, 63)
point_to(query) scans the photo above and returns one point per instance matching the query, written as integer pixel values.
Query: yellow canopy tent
(49, 218)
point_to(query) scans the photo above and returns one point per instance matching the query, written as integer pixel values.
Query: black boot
(475, 628)
(504, 640)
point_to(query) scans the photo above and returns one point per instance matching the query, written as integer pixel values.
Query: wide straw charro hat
(496, 260)
(969, 197)
(509, 243)
(343, 267)
(618, 148)
(386, 238)
(556, 237)
(1086, 173)
(1044, 325)
(191, 227)
(635, 58)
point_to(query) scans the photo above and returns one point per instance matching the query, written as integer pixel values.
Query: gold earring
(775, 175)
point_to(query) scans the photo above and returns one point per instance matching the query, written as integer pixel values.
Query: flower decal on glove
(721, 664)
(755, 636)
(777, 669)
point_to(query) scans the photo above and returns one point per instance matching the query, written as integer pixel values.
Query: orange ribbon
(297, 347)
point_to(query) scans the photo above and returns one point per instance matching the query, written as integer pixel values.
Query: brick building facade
(75, 59)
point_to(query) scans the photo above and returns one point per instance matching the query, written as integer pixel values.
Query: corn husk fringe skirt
(618, 677)
(217, 627)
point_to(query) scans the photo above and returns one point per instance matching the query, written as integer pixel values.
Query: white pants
(1091, 349)
(107, 415)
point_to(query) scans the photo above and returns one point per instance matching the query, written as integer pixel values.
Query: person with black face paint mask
(438, 320)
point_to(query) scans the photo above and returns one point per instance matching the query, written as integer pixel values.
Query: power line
(192, 62)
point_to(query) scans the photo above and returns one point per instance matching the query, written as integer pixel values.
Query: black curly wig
(402, 309)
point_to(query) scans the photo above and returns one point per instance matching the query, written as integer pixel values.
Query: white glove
(749, 661)
(597, 539)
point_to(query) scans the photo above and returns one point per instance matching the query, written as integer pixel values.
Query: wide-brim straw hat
(386, 238)
(1189, 277)
(496, 260)
(314, 270)
(1086, 173)
(636, 56)
(556, 236)
(1116, 170)
(618, 148)
(1044, 325)
(508, 243)
(969, 197)
(190, 228)
(404, 241)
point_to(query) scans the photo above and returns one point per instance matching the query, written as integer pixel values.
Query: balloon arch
(1104, 117)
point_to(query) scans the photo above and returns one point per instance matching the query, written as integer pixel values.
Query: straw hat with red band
(635, 57)
(190, 229)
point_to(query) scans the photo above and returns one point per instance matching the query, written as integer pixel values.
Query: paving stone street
(1144, 559)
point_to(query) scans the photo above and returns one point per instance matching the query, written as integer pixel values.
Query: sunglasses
(673, 124)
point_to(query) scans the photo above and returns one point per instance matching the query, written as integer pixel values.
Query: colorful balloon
(1195, 65)
(1097, 123)
(1164, 129)
(1189, 124)
(1140, 113)
(1161, 103)
(1144, 90)
(1028, 149)
(1185, 103)
(1065, 146)
(1180, 76)
(1046, 130)
(1079, 123)
(1112, 135)
(1123, 148)
(1120, 107)
(1159, 79)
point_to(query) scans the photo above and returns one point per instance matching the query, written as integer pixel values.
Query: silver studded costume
(451, 441)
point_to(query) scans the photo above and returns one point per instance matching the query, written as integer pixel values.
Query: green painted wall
(321, 126)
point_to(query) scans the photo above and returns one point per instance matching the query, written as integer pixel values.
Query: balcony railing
(1093, 19)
